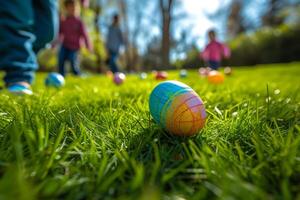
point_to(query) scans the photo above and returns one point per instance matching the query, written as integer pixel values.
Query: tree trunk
(166, 42)
(166, 9)
(235, 21)
(99, 59)
(123, 8)
(135, 58)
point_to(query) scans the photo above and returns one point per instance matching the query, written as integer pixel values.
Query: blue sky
(197, 19)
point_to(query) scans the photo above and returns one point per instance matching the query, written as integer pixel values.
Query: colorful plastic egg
(143, 76)
(55, 80)
(161, 75)
(109, 74)
(227, 71)
(203, 71)
(183, 73)
(215, 77)
(177, 108)
(119, 78)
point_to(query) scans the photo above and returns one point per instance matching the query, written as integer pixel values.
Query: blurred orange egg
(215, 77)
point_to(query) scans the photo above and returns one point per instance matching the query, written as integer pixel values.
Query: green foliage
(95, 140)
(192, 60)
(47, 59)
(266, 46)
(92, 61)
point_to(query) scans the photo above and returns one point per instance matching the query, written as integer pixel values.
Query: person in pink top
(214, 51)
(72, 32)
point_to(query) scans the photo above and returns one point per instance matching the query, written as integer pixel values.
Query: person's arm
(121, 38)
(226, 51)
(107, 38)
(85, 36)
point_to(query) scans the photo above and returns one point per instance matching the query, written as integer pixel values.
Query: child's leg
(62, 57)
(16, 40)
(73, 57)
(113, 62)
(214, 64)
(46, 22)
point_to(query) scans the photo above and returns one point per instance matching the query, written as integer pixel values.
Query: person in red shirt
(214, 51)
(71, 32)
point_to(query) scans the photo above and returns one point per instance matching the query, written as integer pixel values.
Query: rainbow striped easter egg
(177, 108)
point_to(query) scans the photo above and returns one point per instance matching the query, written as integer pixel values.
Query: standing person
(25, 28)
(72, 30)
(114, 41)
(214, 51)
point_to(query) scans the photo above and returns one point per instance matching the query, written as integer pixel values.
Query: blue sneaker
(20, 88)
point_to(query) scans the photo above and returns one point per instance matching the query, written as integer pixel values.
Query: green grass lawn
(95, 140)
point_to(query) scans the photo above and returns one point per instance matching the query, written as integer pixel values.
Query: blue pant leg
(45, 22)
(62, 57)
(16, 41)
(113, 61)
(215, 65)
(73, 57)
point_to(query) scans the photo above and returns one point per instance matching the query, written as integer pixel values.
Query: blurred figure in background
(25, 28)
(214, 51)
(71, 31)
(85, 3)
(113, 43)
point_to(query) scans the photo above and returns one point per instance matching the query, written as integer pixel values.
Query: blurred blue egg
(143, 76)
(55, 80)
(183, 73)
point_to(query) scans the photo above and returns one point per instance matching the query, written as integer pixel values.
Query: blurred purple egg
(119, 78)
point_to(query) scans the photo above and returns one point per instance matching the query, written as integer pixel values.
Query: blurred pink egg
(204, 71)
(161, 75)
